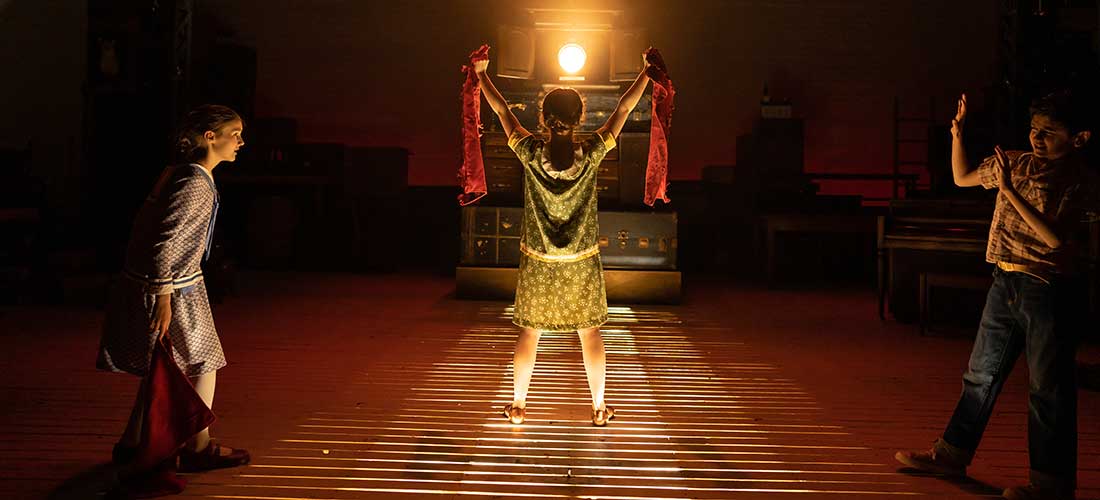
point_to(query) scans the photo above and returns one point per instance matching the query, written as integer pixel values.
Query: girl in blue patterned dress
(161, 292)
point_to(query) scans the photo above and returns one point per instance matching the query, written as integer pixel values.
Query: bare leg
(204, 385)
(523, 365)
(595, 363)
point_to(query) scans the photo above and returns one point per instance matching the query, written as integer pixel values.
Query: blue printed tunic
(170, 238)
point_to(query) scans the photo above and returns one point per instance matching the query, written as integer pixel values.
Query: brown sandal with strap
(602, 416)
(515, 414)
(211, 457)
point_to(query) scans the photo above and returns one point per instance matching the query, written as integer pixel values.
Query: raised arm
(964, 174)
(496, 101)
(629, 99)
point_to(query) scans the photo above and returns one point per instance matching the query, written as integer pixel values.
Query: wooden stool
(932, 280)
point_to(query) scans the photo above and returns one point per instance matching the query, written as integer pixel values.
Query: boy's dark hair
(1067, 108)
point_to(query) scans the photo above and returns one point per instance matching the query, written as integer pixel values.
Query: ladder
(906, 135)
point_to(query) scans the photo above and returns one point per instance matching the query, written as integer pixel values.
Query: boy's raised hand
(960, 117)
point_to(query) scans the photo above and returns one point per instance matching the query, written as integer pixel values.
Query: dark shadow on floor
(89, 484)
(966, 484)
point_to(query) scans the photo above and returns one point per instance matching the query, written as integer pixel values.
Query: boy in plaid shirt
(1044, 196)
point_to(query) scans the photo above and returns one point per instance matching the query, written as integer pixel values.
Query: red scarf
(174, 412)
(656, 173)
(472, 173)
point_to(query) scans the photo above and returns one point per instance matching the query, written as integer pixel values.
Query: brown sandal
(211, 457)
(601, 417)
(515, 414)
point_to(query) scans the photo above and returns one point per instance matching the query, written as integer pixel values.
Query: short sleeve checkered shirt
(1066, 193)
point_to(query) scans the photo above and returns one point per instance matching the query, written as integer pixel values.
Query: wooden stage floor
(387, 387)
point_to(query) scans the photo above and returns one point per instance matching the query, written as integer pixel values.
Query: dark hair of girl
(188, 145)
(562, 110)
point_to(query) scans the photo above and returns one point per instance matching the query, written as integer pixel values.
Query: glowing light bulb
(571, 57)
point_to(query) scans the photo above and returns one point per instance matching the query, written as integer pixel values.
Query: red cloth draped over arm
(656, 174)
(472, 173)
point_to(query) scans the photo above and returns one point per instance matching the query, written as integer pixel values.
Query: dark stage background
(378, 82)
(386, 73)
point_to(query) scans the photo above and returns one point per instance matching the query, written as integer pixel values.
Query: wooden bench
(929, 280)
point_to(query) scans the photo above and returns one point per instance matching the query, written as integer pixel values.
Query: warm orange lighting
(702, 417)
(571, 57)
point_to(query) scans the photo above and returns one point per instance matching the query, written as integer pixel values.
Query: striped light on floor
(699, 415)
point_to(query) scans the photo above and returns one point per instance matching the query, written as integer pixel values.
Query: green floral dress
(561, 285)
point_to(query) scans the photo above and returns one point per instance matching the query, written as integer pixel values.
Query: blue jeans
(1023, 313)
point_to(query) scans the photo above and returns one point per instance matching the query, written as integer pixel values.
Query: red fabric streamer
(656, 174)
(174, 412)
(472, 173)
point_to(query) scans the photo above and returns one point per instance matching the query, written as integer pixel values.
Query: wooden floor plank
(349, 386)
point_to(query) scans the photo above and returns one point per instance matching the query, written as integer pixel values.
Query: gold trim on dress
(573, 257)
(608, 140)
(517, 136)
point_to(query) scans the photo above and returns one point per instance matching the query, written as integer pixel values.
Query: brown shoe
(941, 459)
(515, 414)
(214, 456)
(601, 417)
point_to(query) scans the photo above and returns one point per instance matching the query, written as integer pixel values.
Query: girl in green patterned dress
(561, 283)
